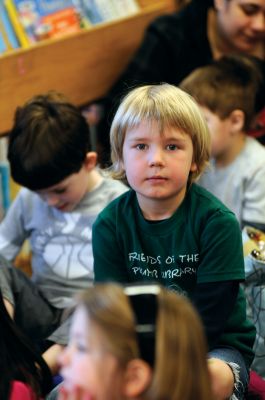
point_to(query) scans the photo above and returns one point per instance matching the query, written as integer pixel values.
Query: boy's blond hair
(167, 105)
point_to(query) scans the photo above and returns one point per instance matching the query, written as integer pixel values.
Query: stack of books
(25, 22)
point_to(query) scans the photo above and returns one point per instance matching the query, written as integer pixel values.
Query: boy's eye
(60, 191)
(171, 147)
(141, 146)
(249, 9)
(82, 348)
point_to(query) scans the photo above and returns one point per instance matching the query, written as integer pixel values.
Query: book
(17, 26)
(7, 29)
(62, 22)
(44, 19)
(4, 176)
(3, 47)
(107, 10)
(88, 9)
(125, 8)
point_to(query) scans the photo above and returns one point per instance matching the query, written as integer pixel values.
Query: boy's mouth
(156, 178)
(62, 207)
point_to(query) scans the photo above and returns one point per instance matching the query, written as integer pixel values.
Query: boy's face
(220, 131)
(67, 194)
(242, 23)
(84, 365)
(157, 165)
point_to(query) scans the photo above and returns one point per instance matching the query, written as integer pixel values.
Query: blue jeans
(237, 363)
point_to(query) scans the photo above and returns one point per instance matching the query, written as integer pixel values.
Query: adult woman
(176, 44)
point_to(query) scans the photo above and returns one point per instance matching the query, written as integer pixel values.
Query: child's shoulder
(202, 202)
(199, 193)
(254, 152)
(26, 196)
(108, 190)
(113, 186)
(118, 205)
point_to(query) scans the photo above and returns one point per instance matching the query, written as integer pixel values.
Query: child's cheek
(82, 377)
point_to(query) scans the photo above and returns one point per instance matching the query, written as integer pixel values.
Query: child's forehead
(154, 127)
(58, 186)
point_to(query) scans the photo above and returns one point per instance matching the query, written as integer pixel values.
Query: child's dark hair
(48, 142)
(18, 360)
(230, 83)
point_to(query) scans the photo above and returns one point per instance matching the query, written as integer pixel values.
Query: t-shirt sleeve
(215, 302)
(253, 212)
(221, 256)
(108, 265)
(12, 232)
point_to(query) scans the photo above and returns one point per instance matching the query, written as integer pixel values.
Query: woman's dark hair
(18, 359)
(48, 142)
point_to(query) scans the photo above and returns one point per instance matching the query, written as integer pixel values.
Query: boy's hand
(75, 393)
(222, 379)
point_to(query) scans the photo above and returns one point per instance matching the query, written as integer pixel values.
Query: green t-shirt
(200, 243)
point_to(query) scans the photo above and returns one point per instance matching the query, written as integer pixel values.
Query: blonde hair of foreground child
(179, 370)
(168, 106)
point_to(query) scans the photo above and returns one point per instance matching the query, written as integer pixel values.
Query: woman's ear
(90, 160)
(137, 378)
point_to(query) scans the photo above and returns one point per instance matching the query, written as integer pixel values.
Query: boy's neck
(159, 209)
(94, 179)
(232, 153)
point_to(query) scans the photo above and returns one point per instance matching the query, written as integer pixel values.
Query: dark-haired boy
(50, 155)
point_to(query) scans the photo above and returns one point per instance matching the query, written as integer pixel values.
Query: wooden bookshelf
(83, 65)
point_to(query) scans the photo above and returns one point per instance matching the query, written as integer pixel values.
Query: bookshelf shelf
(82, 65)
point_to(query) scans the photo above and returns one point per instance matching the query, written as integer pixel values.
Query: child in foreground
(50, 155)
(227, 92)
(123, 345)
(168, 229)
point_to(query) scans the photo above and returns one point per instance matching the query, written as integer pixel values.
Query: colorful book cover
(107, 10)
(7, 29)
(127, 7)
(47, 18)
(3, 47)
(4, 175)
(18, 28)
(62, 22)
(89, 11)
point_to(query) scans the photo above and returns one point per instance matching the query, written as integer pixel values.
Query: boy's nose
(52, 200)
(258, 23)
(156, 157)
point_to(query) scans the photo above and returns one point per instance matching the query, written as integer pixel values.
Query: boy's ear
(90, 160)
(193, 167)
(218, 4)
(237, 120)
(138, 375)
